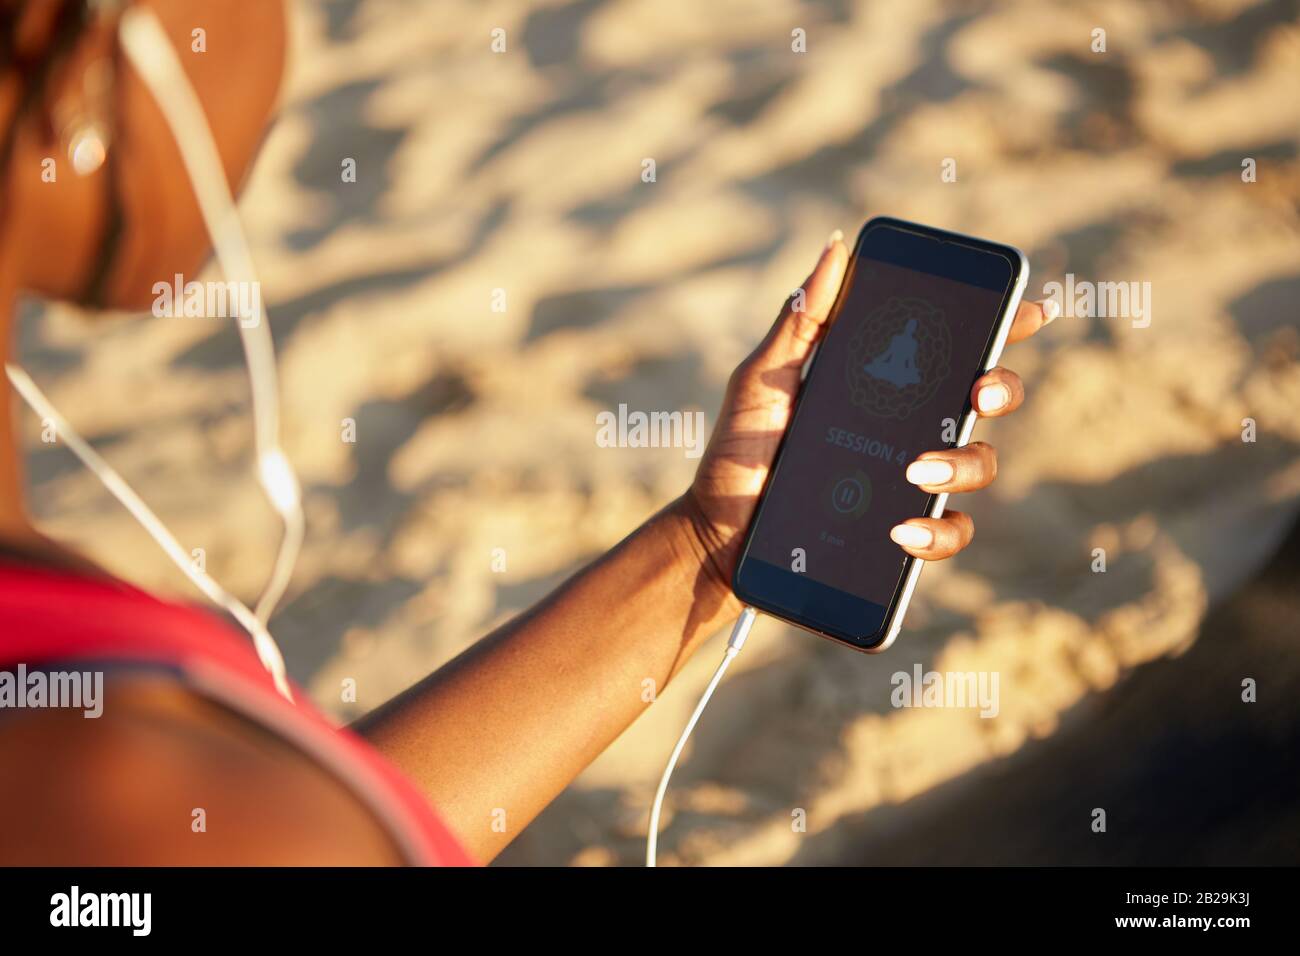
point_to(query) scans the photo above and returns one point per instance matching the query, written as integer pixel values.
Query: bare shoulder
(164, 776)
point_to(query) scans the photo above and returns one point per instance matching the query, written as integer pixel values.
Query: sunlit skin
(509, 723)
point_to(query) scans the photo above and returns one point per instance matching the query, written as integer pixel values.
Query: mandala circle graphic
(897, 357)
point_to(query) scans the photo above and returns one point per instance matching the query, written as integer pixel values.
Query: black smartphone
(921, 314)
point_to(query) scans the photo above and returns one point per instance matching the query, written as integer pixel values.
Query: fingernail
(911, 536)
(993, 397)
(929, 471)
(1051, 309)
(836, 236)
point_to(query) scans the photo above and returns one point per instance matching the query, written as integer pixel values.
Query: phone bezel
(883, 635)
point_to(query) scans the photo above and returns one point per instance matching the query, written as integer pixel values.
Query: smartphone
(922, 313)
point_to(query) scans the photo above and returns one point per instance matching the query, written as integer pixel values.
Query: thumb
(800, 323)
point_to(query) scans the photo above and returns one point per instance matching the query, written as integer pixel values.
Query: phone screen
(909, 334)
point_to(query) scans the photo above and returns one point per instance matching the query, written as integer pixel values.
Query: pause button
(848, 495)
(851, 494)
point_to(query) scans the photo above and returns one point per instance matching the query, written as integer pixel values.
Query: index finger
(1032, 316)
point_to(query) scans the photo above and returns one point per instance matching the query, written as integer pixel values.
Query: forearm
(510, 722)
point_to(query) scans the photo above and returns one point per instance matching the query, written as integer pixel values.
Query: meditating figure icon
(897, 363)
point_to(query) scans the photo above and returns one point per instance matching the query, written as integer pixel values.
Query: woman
(195, 758)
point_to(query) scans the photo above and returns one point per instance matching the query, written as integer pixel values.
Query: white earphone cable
(735, 642)
(154, 58)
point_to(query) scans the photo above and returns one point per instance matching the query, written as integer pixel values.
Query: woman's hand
(760, 397)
